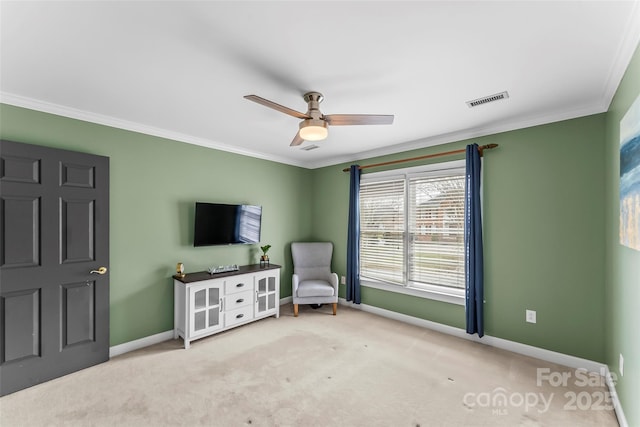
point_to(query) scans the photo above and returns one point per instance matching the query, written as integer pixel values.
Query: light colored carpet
(354, 369)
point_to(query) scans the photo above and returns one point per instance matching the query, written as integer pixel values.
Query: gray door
(54, 230)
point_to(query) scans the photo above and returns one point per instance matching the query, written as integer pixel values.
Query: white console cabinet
(205, 304)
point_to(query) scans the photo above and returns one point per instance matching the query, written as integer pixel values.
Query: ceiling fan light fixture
(313, 130)
(314, 124)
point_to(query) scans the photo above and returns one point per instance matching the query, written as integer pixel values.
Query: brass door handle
(101, 270)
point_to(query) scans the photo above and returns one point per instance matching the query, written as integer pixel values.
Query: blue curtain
(474, 270)
(353, 237)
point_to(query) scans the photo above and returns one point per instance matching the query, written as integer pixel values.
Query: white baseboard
(515, 347)
(126, 347)
(622, 420)
(286, 300)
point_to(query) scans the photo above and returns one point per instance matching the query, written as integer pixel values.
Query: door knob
(101, 270)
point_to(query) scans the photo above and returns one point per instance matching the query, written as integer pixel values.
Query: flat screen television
(224, 224)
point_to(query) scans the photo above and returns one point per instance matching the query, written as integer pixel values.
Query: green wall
(543, 221)
(622, 279)
(154, 183)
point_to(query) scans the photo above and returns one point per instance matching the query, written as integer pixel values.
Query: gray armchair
(313, 282)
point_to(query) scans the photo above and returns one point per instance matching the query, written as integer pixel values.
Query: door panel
(23, 334)
(20, 169)
(77, 230)
(20, 231)
(77, 313)
(77, 175)
(54, 218)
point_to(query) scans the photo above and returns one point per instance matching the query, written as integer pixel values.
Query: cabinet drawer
(239, 315)
(238, 284)
(234, 301)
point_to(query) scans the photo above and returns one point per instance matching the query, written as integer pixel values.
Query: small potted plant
(264, 259)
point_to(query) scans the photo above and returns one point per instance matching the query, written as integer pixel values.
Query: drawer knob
(238, 301)
(239, 285)
(239, 316)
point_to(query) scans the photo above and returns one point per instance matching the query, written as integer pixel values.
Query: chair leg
(295, 310)
(335, 307)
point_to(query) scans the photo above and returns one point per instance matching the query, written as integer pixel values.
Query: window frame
(434, 292)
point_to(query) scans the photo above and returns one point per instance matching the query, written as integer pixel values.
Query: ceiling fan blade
(278, 107)
(296, 140)
(358, 119)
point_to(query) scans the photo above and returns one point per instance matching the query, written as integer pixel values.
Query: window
(412, 230)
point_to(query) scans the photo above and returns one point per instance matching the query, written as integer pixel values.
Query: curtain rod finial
(486, 147)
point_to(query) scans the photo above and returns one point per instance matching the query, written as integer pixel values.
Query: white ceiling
(180, 69)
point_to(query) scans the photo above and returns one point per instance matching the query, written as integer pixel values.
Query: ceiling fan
(313, 126)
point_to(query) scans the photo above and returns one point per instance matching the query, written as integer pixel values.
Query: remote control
(223, 269)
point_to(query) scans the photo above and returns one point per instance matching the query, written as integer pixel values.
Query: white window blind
(382, 229)
(436, 231)
(412, 228)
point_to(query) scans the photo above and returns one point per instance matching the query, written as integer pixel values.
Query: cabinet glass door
(199, 314)
(205, 301)
(266, 294)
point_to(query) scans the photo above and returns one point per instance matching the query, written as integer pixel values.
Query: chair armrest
(334, 282)
(295, 280)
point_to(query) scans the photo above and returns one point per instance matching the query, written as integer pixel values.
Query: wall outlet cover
(530, 316)
(343, 280)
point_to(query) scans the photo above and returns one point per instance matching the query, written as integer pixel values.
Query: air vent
(310, 147)
(487, 99)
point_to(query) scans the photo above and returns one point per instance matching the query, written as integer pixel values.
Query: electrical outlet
(621, 365)
(343, 280)
(530, 316)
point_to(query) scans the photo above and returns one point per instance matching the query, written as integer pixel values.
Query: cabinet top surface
(205, 275)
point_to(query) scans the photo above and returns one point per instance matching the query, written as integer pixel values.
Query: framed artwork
(630, 177)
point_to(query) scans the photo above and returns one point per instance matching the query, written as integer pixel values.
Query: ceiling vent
(487, 99)
(310, 147)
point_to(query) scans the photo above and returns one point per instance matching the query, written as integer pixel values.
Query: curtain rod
(481, 148)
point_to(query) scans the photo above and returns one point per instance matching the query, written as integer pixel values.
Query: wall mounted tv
(222, 224)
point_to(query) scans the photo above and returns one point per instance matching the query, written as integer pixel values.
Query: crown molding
(462, 135)
(623, 56)
(47, 107)
(100, 119)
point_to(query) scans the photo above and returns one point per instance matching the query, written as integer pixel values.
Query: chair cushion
(313, 273)
(315, 288)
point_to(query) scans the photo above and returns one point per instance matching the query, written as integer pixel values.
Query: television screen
(222, 224)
